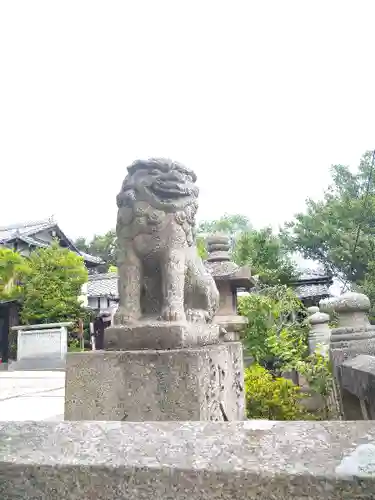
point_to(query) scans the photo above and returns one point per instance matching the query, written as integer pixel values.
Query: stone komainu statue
(160, 272)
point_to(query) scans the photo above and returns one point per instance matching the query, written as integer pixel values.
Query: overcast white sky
(258, 97)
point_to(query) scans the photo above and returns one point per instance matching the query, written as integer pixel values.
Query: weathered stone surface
(228, 277)
(312, 310)
(357, 377)
(161, 276)
(251, 460)
(320, 333)
(184, 384)
(346, 343)
(160, 335)
(41, 347)
(352, 309)
(354, 334)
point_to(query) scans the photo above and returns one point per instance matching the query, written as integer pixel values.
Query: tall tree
(339, 230)
(53, 283)
(263, 252)
(229, 224)
(260, 249)
(103, 246)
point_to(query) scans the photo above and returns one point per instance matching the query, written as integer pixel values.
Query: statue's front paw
(197, 316)
(173, 313)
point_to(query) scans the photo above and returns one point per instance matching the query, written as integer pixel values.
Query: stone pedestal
(201, 383)
(160, 335)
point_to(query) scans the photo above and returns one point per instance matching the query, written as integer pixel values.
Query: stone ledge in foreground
(187, 460)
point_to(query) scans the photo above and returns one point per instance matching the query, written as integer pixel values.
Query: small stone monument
(354, 334)
(163, 359)
(229, 277)
(312, 310)
(320, 333)
(41, 347)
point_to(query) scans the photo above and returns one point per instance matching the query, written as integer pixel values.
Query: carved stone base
(160, 335)
(346, 343)
(205, 383)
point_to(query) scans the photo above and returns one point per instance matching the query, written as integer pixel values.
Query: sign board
(44, 343)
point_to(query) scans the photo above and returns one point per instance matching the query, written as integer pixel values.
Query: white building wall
(93, 302)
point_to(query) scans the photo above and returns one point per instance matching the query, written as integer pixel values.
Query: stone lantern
(229, 277)
(354, 334)
(319, 335)
(312, 310)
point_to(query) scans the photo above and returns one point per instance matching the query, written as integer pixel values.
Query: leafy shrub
(317, 370)
(74, 345)
(12, 268)
(271, 398)
(276, 333)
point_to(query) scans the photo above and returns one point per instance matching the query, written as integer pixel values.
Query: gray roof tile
(24, 231)
(103, 285)
(8, 233)
(318, 290)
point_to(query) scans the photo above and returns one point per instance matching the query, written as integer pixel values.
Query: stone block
(357, 387)
(41, 348)
(160, 335)
(347, 343)
(203, 383)
(252, 460)
(320, 333)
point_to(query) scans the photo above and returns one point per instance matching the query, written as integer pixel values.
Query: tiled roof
(91, 258)
(26, 230)
(103, 285)
(312, 283)
(318, 290)
(8, 233)
(33, 241)
(312, 274)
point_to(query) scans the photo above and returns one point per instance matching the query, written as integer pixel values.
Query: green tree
(260, 249)
(317, 370)
(12, 268)
(339, 230)
(229, 224)
(103, 246)
(266, 256)
(276, 333)
(52, 286)
(82, 244)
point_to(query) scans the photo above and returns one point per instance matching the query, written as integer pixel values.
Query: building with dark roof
(28, 236)
(24, 238)
(312, 286)
(102, 291)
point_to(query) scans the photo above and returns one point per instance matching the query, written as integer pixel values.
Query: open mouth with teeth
(172, 185)
(168, 189)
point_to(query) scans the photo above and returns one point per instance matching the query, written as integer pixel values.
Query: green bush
(276, 333)
(271, 398)
(74, 345)
(52, 285)
(317, 370)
